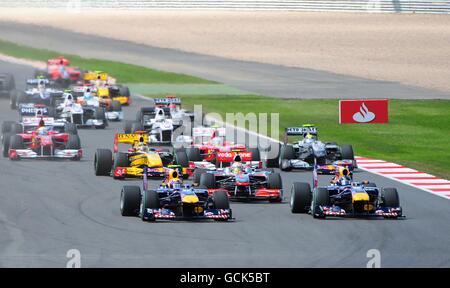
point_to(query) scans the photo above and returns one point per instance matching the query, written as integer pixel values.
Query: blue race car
(345, 198)
(173, 200)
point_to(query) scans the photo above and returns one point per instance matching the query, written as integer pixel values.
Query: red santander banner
(363, 111)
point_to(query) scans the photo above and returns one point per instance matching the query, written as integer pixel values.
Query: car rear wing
(129, 139)
(37, 81)
(59, 61)
(33, 110)
(231, 156)
(95, 75)
(34, 121)
(208, 132)
(167, 101)
(296, 131)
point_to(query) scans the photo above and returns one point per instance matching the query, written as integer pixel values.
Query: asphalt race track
(49, 207)
(265, 79)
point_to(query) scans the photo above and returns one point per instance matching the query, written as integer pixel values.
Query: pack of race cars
(62, 99)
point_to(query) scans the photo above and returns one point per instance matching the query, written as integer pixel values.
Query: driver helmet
(68, 99)
(174, 181)
(41, 85)
(344, 181)
(309, 138)
(237, 166)
(87, 94)
(216, 141)
(160, 116)
(41, 128)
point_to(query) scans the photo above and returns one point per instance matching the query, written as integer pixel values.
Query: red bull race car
(345, 198)
(173, 200)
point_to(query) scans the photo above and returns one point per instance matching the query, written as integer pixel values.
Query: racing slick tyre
(6, 126)
(208, 181)
(73, 142)
(116, 106)
(390, 197)
(71, 128)
(181, 159)
(16, 142)
(220, 200)
(51, 112)
(127, 126)
(103, 162)
(21, 98)
(347, 152)
(194, 154)
(130, 200)
(274, 182)
(16, 128)
(5, 141)
(124, 91)
(197, 174)
(321, 198)
(275, 161)
(300, 197)
(137, 126)
(13, 99)
(287, 153)
(120, 160)
(100, 114)
(150, 200)
(256, 156)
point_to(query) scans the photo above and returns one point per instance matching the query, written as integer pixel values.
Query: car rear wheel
(103, 162)
(220, 200)
(6, 126)
(347, 152)
(127, 126)
(256, 155)
(197, 174)
(194, 154)
(71, 128)
(73, 142)
(300, 197)
(120, 160)
(13, 99)
(130, 200)
(287, 153)
(208, 181)
(6, 140)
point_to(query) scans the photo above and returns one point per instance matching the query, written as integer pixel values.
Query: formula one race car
(107, 88)
(59, 71)
(345, 198)
(207, 142)
(82, 116)
(131, 163)
(86, 96)
(37, 93)
(174, 201)
(304, 153)
(43, 140)
(156, 122)
(241, 181)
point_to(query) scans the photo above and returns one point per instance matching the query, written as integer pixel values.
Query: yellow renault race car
(106, 88)
(130, 164)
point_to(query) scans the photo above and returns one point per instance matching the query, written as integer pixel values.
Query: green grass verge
(418, 133)
(125, 73)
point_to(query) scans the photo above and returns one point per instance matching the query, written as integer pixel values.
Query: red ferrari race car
(44, 142)
(207, 142)
(59, 71)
